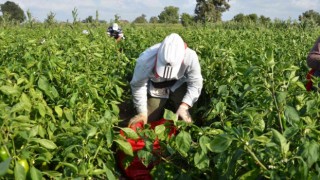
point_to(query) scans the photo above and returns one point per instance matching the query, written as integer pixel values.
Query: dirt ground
(127, 111)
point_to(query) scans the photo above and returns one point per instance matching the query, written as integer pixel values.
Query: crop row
(63, 96)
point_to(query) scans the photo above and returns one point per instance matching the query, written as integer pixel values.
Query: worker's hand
(138, 118)
(183, 112)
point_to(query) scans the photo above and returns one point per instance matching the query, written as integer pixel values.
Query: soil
(127, 111)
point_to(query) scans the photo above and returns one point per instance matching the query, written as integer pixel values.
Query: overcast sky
(130, 9)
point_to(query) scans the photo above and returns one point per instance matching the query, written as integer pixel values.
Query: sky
(130, 9)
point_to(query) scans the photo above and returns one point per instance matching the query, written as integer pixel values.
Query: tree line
(206, 11)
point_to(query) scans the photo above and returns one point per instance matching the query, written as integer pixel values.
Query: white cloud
(306, 4)
(279, 9)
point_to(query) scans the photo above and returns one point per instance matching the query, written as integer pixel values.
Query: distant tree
(264, 20)
(310, 15)
(89, 19)
(154, 19)
(253, 18)
(102, 21)
(187, 19)
(13, 10)
(210, 10)
(239, 18)
(50, 18)
(141, 19)
(169, 15)
(123, 21)
(116, 18)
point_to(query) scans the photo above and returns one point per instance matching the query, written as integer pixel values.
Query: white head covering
(115, 26)
(170, 56)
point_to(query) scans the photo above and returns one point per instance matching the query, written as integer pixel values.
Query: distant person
(115, 31)
(313, 61)
(167, 72)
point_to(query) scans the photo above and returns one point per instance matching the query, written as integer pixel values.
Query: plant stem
(255, 158)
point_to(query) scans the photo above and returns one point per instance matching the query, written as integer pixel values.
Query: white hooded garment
(190, 72)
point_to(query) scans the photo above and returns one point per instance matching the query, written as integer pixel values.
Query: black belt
(163, 84)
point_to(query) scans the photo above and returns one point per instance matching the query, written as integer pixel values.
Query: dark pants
(156, 106)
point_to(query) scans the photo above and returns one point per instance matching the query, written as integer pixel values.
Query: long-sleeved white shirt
(190, 72)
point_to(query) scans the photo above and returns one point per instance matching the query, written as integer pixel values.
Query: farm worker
(166, 73)
(313, 59)
(116, 32)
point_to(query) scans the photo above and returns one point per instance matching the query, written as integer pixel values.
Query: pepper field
(64, 96)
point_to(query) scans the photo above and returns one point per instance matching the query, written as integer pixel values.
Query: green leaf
(42, 109)
(109, 136)
(169, 115)
(58, 110)
(45, 143)
(220, 143)
(253, 174)
(278, 137)
(125, 147)
(23, 105)
(183, 142)
(311, 104)
(34, 131)
(220, 107)
(223, 90)
(259, 124)
(10, 90)
(130, 133)
(148, 144)
(35, 173)
(118, 91)
(92, 131)
(26, 101)
(285, 148)
(301, 85)
(310, 152)
(54, 92)
(281, 97)
(204, 142)
(97, 55)
(201, 160)
(262, 139)
(270, 56)
(20, 106)
(110, 175)
(160, 129)
(73, 99)
(4, 166)
(22, 118)
(98, 171)
(41, 131)
(43, 84)
(68, 113)
(292, 114)
(145, 157)
(115, 108)
(53, 174)
(291, 132)
(281, 140)
(19, 172)
(70, 165)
